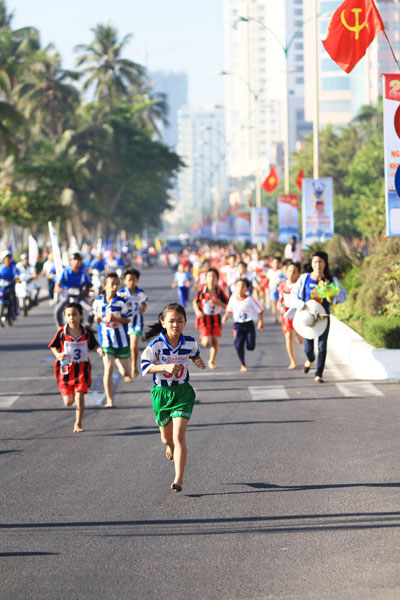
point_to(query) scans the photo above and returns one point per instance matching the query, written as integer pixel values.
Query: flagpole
(391, 49)
(316, 97)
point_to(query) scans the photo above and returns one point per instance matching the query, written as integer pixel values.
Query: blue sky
(175, 35)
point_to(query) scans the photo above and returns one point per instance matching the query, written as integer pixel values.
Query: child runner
(245, 310)
(275, 276)
(138, 300)
(167, 357)
(182, 281)
(71, 343)
(208, 305)
(113, 315)
(293, 273)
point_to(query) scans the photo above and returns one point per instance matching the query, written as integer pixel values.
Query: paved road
(291, 490)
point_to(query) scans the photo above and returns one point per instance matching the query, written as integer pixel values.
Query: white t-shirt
(275, 278)
(246, 309)
(160, 351)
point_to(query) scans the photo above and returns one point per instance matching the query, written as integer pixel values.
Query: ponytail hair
(157, 328)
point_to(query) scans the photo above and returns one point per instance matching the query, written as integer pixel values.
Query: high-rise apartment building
(175, 88)
(263, 46)
(341, 95)
(202, 187)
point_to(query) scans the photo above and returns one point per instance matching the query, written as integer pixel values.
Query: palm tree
(109, 73)
(45, 94)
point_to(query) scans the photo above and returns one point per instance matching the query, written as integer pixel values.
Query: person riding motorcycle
(28, 273)
(74, 285)
(9, 273)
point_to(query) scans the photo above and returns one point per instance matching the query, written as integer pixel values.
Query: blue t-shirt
(70, 279)
(309, 285)
(100, 265)
(8, 273)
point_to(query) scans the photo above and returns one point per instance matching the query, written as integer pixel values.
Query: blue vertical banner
(318, 219)
(259, 225)
(391, 129)
(288, 217)
(243, 227)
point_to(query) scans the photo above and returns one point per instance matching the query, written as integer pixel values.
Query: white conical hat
(307, 324)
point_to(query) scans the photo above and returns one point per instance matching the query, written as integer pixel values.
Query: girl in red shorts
(208, 305)
(70, 345)
(292, 273)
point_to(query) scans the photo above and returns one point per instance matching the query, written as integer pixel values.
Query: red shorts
(78, 378)
(287, 324)
(209, 325)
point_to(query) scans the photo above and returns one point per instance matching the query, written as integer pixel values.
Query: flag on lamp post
(353, 27)
(300, 177)
(271, 181)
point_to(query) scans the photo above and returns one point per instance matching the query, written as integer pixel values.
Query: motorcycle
(6, 312)
(25, 292)
(74, 295)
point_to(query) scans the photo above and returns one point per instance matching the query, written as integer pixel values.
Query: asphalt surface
(291, 488)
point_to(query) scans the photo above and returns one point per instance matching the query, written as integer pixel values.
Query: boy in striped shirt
(113, 315)
(138, 299)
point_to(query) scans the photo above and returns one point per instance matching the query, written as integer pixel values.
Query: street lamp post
(285, 49)
(256, 98)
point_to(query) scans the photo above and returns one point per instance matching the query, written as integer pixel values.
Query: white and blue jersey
(112, 334)
(136, 299)
(160, 351)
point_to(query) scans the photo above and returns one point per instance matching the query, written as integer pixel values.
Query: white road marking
(277, 392)
(358, 389)
(7, 401)
(97, 397)
(208, 372)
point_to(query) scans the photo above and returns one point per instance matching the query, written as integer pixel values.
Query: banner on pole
(56, 250)
(288, 216)
(318, 221)
(391, 128)
(259, 225)
(243, 227)
(33, 251)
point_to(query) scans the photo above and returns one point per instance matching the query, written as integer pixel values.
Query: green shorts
(118, 352)
(138, 334)
(172, 401)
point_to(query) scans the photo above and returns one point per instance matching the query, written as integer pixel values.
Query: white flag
(56, 250)
(33, 251)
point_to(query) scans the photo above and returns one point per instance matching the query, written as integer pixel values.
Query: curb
(361, 360)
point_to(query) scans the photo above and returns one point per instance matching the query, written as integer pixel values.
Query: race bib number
(76, 351)
(177, 375)
(242, 317)
(111, 324)
(182, 367)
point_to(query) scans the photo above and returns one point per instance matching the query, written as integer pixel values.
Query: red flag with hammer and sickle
(353, 27)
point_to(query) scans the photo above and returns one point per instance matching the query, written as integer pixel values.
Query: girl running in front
(245, 310)
(167, 357)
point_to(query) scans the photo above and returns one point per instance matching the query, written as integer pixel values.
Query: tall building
(341, 95)
(263, 46)
(202, 185)
(175, 88)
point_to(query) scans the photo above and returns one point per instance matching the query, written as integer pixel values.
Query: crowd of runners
(219, 283)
